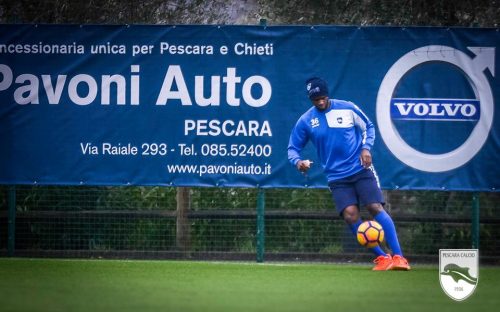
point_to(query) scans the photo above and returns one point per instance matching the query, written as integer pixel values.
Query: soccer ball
(370, 234)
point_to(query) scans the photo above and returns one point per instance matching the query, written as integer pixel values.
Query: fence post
(183, 227)
(261, 238)
(11, 221)
(475, 221)
(261, 203)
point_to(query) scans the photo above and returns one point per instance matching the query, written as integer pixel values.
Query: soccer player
(343, 137)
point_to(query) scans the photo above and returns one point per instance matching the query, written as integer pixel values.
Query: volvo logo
(435, 109)
(479, 109)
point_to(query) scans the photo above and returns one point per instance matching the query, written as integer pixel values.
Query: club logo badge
(458, 272)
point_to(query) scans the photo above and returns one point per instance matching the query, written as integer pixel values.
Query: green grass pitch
(116, 285)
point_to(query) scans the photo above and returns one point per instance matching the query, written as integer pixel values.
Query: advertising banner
(215, 105)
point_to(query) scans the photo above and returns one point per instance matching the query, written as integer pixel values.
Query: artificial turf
(118, 285)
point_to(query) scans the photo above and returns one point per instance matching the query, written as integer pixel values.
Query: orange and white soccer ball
(370, 234)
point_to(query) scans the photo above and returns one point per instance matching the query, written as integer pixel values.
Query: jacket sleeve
(298, 139)
(366, 126)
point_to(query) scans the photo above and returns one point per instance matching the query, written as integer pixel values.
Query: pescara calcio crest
(458, 272)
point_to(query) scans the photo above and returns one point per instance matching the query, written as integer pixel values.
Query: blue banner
(214, 105)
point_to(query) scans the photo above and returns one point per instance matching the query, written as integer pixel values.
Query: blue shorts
(361, 188)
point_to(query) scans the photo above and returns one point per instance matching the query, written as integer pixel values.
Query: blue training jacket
(338, 133)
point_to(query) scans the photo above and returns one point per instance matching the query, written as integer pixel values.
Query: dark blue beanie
(316, 87)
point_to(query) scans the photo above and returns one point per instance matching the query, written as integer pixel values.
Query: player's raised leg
(383, 261)
(368, 189)
(391, 236)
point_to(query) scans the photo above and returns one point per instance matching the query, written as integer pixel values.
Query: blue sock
(378, 251)
(390, 231)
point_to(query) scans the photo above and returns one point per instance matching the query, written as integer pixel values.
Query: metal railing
(215, 223)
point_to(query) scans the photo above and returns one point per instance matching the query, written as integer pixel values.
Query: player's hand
(365, 158)
(304, 165)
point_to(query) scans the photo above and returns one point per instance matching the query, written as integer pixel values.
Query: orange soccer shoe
(382, 263)
(399, 263)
